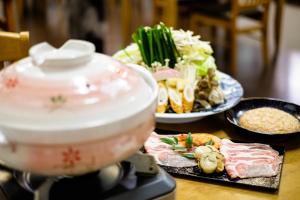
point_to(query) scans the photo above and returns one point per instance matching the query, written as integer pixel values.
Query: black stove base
(90, 186)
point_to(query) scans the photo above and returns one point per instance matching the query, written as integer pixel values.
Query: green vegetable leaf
(204, 65)
(188, 155)
(127, 54)
(210, 142)
(176, 139)
(167, 140)
(189, 140)
(178, 147)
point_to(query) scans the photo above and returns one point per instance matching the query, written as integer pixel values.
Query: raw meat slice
(163, 153)
(245, 160)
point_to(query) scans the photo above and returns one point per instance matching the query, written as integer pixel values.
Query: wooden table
(198, 189)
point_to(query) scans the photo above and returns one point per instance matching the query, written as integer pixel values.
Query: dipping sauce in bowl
(265, 118)
(269, 120)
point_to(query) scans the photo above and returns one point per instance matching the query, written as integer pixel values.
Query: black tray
(268, 183)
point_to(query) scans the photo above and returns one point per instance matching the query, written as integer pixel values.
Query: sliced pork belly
(245, 160)
(163, 153)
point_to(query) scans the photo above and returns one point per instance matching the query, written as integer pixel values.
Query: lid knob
(71, 54)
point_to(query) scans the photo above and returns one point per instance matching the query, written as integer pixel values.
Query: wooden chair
(165, 11)
(278, 26)
(176, 13)
(14, 46)
(227, 18)
(127, 9)
(9, 21)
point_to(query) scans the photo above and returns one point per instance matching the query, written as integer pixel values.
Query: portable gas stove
(135, 178)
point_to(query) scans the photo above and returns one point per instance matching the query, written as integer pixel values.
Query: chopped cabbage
(196, 55)
(130, 54)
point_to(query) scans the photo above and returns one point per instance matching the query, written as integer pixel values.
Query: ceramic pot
(71, 110)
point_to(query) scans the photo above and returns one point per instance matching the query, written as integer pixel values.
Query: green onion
(156, 44)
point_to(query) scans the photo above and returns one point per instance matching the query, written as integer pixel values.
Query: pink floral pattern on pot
(70, 157)
(11, 83)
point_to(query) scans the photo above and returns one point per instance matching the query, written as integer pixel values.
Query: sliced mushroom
(220, 166)
(220, 162)
(199, 151)
(208, 163)
(204, 104)
(216, 96)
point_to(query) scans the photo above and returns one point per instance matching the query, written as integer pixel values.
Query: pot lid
(69, 87)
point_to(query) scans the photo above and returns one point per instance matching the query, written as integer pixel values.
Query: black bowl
(245, 104)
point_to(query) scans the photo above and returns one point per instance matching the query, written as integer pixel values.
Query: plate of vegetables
(190, 86)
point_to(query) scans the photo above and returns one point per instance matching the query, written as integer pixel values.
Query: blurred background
(265, 65)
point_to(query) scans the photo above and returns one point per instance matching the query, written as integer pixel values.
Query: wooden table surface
(198, 189)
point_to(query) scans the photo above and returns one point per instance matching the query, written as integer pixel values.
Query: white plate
(233, 92)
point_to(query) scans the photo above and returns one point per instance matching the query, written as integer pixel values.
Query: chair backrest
(165, 11)
(248, 4)
(9, 21)
(129, 9)
(14, 46)
(239, 6)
